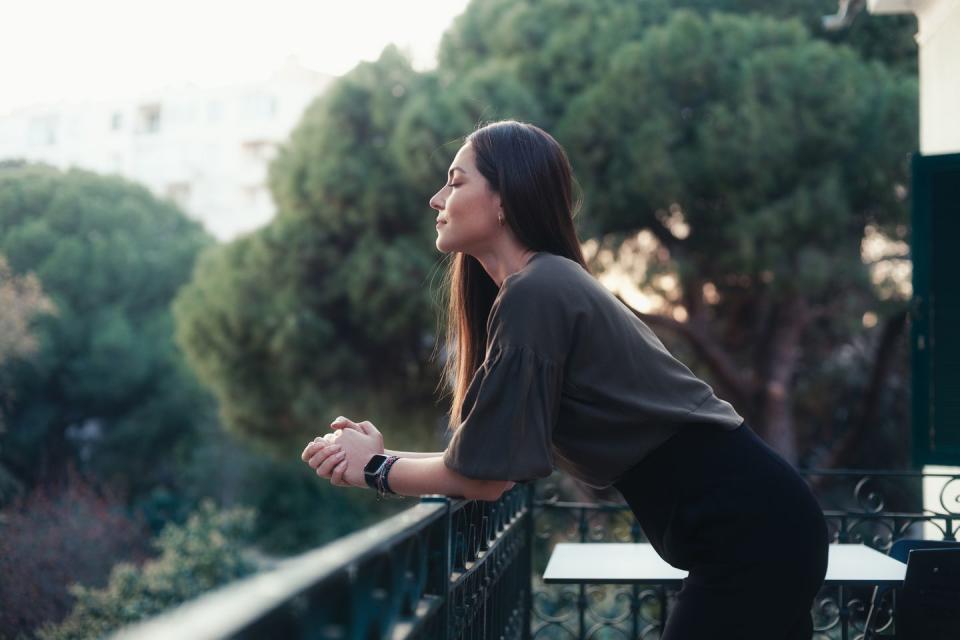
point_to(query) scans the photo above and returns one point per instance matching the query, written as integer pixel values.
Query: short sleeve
(511, 408)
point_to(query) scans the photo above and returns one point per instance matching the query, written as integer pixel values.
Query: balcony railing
(447, 569)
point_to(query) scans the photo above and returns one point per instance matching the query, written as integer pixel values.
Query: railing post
(528, 562)
(445, 560)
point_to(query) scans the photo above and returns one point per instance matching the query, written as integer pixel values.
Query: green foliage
(296, 510)
(560, 47)
(768, 140)
(21, 300)
(326, 307)
(204, 553)
(885, 38)
(557, 47)
(55, 536)
(774, 144)
(433, 124)
(107, 380)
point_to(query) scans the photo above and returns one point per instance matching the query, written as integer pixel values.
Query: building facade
(206, 149)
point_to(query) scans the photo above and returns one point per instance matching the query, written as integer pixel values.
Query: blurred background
(215, 238)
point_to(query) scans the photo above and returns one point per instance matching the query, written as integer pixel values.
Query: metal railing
(447, 569)
(441, 569)
(875, 507)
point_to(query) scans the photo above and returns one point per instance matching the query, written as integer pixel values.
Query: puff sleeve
(512, 403)
(507, 432)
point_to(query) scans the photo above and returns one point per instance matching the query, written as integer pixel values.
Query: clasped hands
(342, 455)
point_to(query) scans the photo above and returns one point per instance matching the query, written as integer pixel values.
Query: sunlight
(211, 43)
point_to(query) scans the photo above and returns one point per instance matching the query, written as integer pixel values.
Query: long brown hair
(530, 171)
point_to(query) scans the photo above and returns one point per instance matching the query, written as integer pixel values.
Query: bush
(202, 554)
(55, 536)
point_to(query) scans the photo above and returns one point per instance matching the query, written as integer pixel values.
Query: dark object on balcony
(929, 606)
(900, 550)
(930, 602)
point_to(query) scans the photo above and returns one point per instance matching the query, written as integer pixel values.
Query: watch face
(374, 463)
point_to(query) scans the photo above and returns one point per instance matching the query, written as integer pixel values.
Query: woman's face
(467, 208)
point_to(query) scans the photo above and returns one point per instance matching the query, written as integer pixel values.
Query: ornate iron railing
(447, 569)
(441, 569)
(871, 506)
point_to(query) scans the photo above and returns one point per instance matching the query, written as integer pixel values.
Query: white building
(207, 149)
(938, 46)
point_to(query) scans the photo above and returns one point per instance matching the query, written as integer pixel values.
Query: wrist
(375, 472)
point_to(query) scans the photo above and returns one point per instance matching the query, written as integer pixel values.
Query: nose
(436, 202)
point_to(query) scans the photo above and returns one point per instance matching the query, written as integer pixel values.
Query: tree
(432, 125)
(757, 156)
(556, 48)
(327, 309)
(106, 388)
(559, 47)
(21, 301)
(650, 102)
(55, 536)
(202, 554)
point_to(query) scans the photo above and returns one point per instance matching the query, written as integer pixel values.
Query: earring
(501, 219)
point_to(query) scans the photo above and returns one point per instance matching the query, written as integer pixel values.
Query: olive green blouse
(573, 380)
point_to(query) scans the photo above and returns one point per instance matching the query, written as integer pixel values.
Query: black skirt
(739, 518)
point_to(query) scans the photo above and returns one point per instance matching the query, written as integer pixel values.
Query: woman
(556, 372)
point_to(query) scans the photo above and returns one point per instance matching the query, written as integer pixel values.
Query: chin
(443, 247)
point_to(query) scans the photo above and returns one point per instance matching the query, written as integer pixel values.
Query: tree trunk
(776, 413)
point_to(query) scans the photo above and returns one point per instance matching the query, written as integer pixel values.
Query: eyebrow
(452, 169)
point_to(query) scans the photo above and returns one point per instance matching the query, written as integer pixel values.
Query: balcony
(469, 569)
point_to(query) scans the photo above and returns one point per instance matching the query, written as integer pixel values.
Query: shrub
(200, 555)
(55, 536)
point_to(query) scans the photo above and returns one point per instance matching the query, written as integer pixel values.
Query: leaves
(110, 257)
(202, 554)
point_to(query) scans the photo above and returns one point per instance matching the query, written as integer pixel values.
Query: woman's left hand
(359, 448)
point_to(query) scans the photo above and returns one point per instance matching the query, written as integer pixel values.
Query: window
(149, 118)
(42, 130)
(258, 149)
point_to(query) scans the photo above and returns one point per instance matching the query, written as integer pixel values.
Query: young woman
(552, 371)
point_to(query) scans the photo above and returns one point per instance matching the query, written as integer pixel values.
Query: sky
(68, 51)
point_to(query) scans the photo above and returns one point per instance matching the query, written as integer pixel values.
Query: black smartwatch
(372, 469)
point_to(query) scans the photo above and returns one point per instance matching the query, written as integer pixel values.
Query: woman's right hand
(321, 454)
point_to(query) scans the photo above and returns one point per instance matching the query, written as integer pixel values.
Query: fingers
(325, 461)
(344, 423)
(312, 448)
(336, 476)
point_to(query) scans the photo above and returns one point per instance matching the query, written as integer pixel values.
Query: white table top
(638, 562)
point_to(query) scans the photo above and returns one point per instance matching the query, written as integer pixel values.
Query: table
(638, 562)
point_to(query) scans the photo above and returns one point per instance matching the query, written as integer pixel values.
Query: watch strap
(385, 471)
